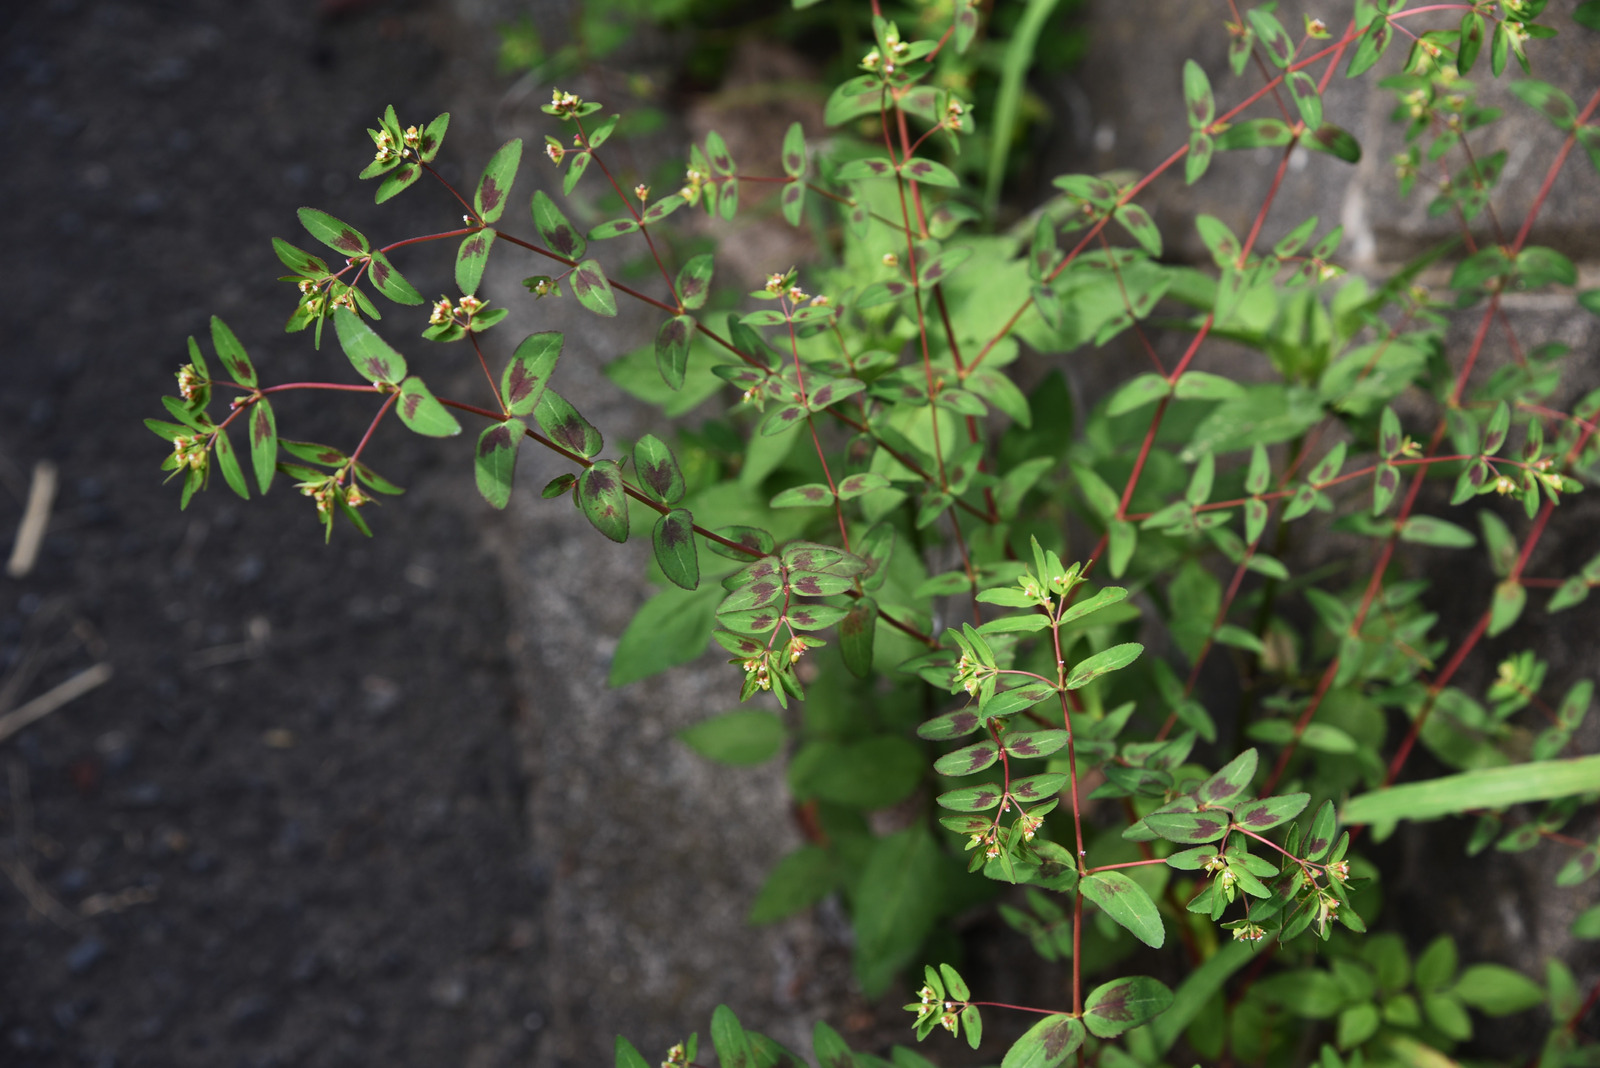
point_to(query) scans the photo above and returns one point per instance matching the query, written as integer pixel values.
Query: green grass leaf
(1489, 788)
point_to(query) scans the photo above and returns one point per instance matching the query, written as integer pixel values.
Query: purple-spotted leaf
(955, 724)
(973, 758)
(1018, 698)
(794, 151)
(339, 236)
(496, 460)
(1273, 37)
(231, 353)
(818, 583)
(1102, 663)
(1230, 781)
(1202, 146)
(1034, 743)
(1137, 392)
(390, 282)
(1375, 41)
(1269, 812)
(311, 452)
(856, 485)
(1126, 902)
(1573, 591)
(756, 542)
(1320, 838)
(673, 541)
(593, 290)
(717, 153)
(1307, 99)
(853, 98)
(562, 424)
(603, 500)
(471, 258)
(815, 616)
(613, 228)
(672, 349)
(228, 461)
(1335, 141)
(528, 373)
(756, 594)
(663, 207)
(659, 474)
(579, 164)
(830, 393)
(1122, 1004)
(810, 495)
(885, 292)
(1197, 96)
(857, 169)
(978, 798)
(1046, 1044)
(1549, 101)
(793, 202)
(1254, 133)
(263, 442)
(562, 237)
(298, 260)
(420, 410)
(1190, 828)
(928, 172)
(856, 633)
(942, 266)
(780, 419)
(1140, 226)
(694, 281)
(728, 202)
(375, 481)
(396, 181)
(369, 354)
(1038, 787)
(1385, 483)
(494, 188)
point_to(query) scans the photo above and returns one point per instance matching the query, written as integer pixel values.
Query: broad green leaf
(1548, 101)
(739, 738)
(1138, 223)
(1375, 41)
(471, 258)
(1138, 392)
(603, 500)
(494, 188)
(1046, 1044)
(1488, 788)
(593, 289)
(1430, 530)
(1126, 902)
(694, 281)
(390, 282)
(895, 905)
(1202, 147)
(729, 1040)
(1335, 141)
(857, 632)
(1114, 1007)
(795, 883)
(562, 237)
(968, 761)
(1269, 812)
(613, 228)
(523, 382)
(228, 461)
(1509, 598)
(339, 236)
(670, 628)
(928, 172)
(1307, 992)
(1231, 781)
(1188, 828)
(420, 410)
(496, 460)
(1254, 133)
(1194, 995)
(628, 1056)
(1497, 990)
(1199, 385)
(1197, 96)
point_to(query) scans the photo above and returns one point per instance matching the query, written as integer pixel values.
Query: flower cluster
(190, 384)
(191, 451)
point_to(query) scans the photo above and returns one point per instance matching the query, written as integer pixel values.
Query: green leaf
(554, 229)
(1231, 781)
(1307, 100)
(1306, 992)
(1429, 530)
(1201, 148)
(494, 188)
(420, 410)
(232, 354)
(339, 236)
(523, 382)
(857, 631)
(228, 461)
(471, 258)
(1114, 1007)
(794, 151)
(593, 290)
(793, 202)
(562, 423)
(1188, 828)
(1138, 223)
(496, 460)
(672, 349)
(1126, 902)
(1138, 392)
(795, 883)
(739, 738)
(694, 281)
(1375, 41)
(853, 98)
(603, 500)
(1587, 925)
(673, 541)
(1046, 1044)
(659, 474)
(1509, 598)
(928, 172)
(1255, 133)
(729, 1040)
(1102, 663)
(1199, 385)
(579, 164)
(1549, 101)
(895, 905)
(613, 228)
(662, 208)
(1272, 35)
(1497, 990)
(263, 442)
(1488, 788)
